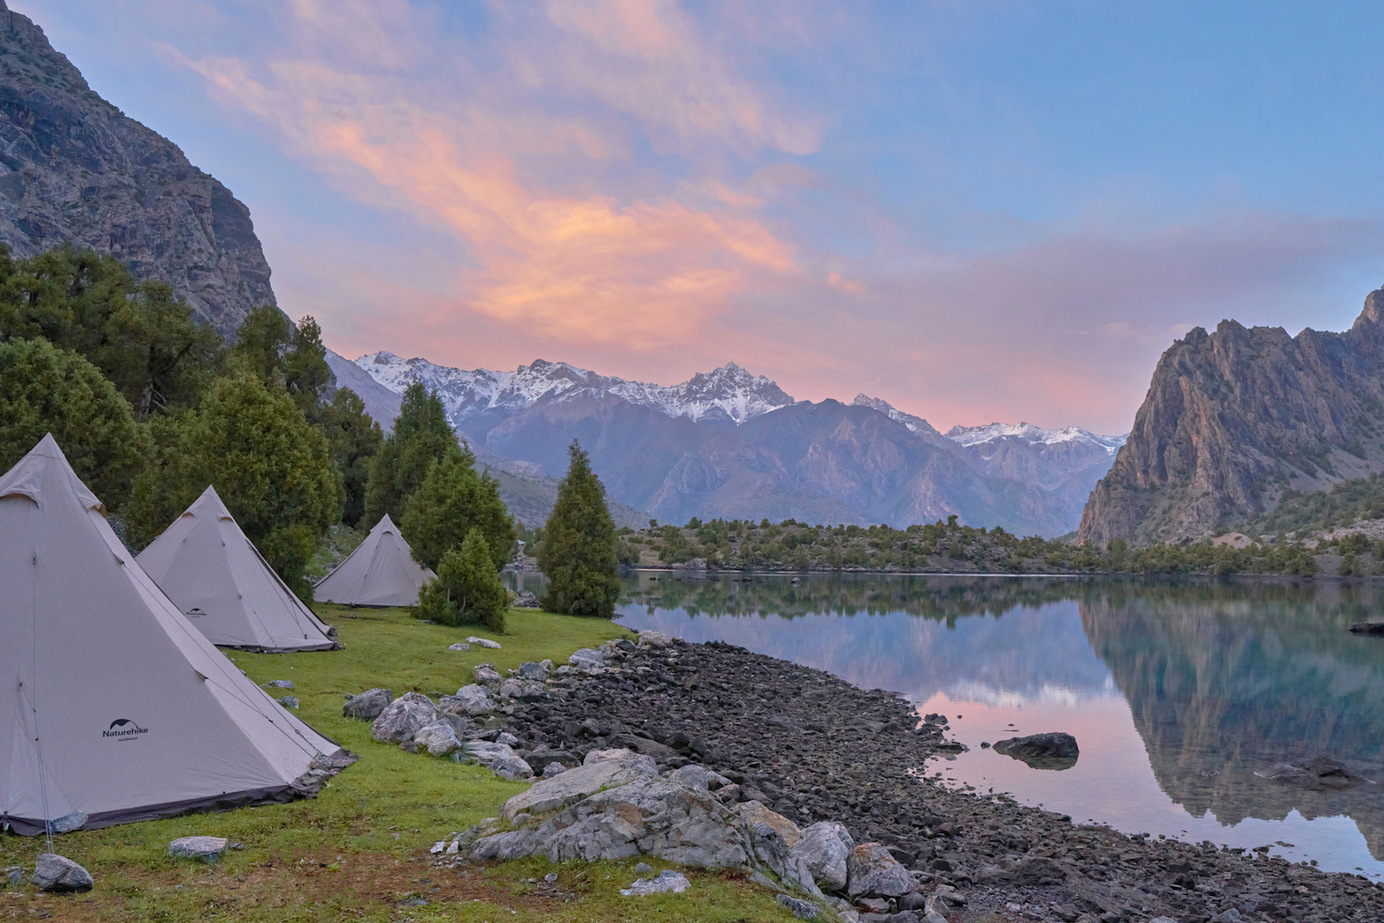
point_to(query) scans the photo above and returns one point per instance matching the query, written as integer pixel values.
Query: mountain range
(732, 444)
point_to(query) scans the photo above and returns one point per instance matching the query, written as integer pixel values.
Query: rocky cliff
(74, 169)
(1234, 417)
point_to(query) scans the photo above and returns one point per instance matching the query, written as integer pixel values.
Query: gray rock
(824, 847)
(288, 701)
(552, 769)
(473, 700)
(523, 689)
(279, 684)
(459, 646)
(800, 909)
(616, 767)
(483, 642)
(439, 738)
(872, 872)
(403, 718)
(12, 876)
(585, 660)
(68, 822)
(526, 600)
(368, 704)
(699, 777)
(1317, 774)
(531, 670)
(643, 868)
(488, 676)
(57, 873)
(667, 881)
(506, 738)
(1055, 750)
(207, 849)
(496, 757)
(654, 639)
(650, 815)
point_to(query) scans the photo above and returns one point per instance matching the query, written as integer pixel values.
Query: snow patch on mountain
(729, 392)
(979, 435)
(913, 424)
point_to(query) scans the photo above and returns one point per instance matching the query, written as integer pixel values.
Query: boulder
(439, 738)
(459, 646)
(824, 847)
(699, 777)
(654, 639)
(207, 849)
(483, 642)
(1055, 750)
(586, 660)
(872, 872)
(614, 768)
(472, 700)
(12, 876)
(532, 670)
(288, 701)
(368, 704)
(650, 815)
(523, 689)
(403, 717)
(57, 873)
(279, 684)
(496, 757)
(800, 909)
(772, 838)
(488, 676)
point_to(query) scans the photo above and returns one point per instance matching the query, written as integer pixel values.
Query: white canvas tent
(216, 576)
(381, 572)
(113, 708)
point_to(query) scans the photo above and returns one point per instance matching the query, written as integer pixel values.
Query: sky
(977, 211)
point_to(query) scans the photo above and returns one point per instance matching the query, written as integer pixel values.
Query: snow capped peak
(914, 424)
(729, 392)
(1027, 432)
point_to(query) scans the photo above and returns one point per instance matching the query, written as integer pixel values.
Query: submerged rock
(1317, 774)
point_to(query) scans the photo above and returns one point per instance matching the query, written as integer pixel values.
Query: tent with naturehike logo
(216, 576)
(113, 708)
(381, 572)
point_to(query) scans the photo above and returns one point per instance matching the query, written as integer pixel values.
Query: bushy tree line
(150, 407)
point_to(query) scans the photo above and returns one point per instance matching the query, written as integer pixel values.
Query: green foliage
(260, 342)
(578, 552)
(270, 467)
(421, 436)
(140, 337)
(305, 368)
(467, 588)
(353, 439)
(48, 390)
(1345, 503)
(452, 502)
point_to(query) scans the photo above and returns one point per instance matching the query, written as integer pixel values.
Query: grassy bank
(359, 850)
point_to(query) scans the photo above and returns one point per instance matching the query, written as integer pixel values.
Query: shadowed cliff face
(74, 169)
(1221, 688)
(1233, 417)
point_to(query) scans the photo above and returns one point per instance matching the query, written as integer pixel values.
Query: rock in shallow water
(1055, 750)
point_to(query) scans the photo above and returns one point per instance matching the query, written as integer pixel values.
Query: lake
(1177, 693)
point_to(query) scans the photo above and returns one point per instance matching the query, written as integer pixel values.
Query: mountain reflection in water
(1176, 692)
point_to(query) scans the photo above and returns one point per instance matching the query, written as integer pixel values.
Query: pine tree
(354, 438)
(421, 436)
(452, 502)
(578, 552)
(467, 589)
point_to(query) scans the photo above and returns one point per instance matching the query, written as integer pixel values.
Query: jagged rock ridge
(1233, 417)
(74, 169)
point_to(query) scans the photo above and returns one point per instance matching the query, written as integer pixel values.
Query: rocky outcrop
(1053, 750)
(75, 170)
(1233, 417)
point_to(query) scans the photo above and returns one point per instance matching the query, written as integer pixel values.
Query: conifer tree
(578, 552)
(467, 589)
(452, 502)
(421, 436)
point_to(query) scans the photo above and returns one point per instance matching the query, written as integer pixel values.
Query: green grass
(360, 847)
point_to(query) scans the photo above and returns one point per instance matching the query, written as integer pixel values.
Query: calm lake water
(1176, 694)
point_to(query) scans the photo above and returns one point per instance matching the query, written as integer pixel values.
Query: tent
(116, 708)
(218, 579)
(381, 572)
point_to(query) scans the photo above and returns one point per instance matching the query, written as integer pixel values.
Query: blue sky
(976, 211)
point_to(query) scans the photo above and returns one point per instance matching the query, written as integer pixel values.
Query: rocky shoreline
(813, 748)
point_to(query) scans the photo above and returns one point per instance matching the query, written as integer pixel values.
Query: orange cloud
(592, 267)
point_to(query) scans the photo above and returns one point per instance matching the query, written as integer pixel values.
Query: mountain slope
(1233, 417)
(74, 169)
